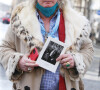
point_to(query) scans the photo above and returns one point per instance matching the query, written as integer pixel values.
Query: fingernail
(56, 59)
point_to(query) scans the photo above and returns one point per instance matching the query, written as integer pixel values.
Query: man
(31, 23)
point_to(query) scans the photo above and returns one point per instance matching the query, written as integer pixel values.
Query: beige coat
(24, 34)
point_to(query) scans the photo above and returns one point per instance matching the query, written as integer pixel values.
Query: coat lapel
(26, 26)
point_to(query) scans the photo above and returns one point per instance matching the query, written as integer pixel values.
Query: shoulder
(15, 19)
(77, 23)
(17, 9)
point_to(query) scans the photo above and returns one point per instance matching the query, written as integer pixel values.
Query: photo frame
(49, 53)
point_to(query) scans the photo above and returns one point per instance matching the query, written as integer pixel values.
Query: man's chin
(48, 5)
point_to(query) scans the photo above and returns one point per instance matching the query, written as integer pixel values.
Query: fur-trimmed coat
(24, 34)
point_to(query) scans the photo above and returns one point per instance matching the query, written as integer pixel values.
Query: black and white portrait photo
(52, 52)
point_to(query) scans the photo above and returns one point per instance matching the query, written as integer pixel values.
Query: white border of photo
(44, 64)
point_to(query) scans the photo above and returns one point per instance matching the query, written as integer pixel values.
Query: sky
(8, 2)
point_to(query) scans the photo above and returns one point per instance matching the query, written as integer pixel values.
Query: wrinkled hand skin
(24, 63)
(64, 58)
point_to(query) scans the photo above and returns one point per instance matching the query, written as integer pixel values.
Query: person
(31, 23)
(53, 55)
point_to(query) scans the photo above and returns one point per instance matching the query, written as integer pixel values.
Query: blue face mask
(49, 11)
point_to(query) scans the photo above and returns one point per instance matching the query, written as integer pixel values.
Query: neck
(44, 18)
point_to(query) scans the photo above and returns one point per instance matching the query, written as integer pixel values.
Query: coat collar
(26, 26)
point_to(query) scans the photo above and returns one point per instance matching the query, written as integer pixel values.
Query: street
(91, 79)
(5, 84)
(3, 29)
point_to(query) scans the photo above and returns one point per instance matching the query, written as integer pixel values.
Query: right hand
(24, 63)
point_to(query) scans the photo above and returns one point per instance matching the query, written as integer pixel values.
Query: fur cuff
(77, 72)
(80, 65)
(12, 63)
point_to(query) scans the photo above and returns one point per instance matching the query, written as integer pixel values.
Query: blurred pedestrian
(31, 23)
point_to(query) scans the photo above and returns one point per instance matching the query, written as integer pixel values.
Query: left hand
(64, 58)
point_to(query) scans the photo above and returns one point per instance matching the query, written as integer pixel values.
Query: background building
(91, 9)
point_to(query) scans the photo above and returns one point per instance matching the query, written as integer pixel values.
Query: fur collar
(24, 16)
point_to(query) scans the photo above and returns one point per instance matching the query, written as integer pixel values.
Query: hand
(25, 63)
(64, 58)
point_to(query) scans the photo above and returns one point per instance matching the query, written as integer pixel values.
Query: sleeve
(83, 56)
(9, 57)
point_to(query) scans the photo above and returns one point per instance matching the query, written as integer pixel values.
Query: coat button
(26, 88)
(73, 89)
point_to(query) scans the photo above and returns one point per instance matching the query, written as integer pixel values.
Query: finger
(27, 55)
(61, 57)
(24, 68)
(71, 65)
(31, 65)
(65, 60)
(30, 69)
(29, 61)
(64, 65)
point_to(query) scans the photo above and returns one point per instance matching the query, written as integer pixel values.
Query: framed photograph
(52, 49)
